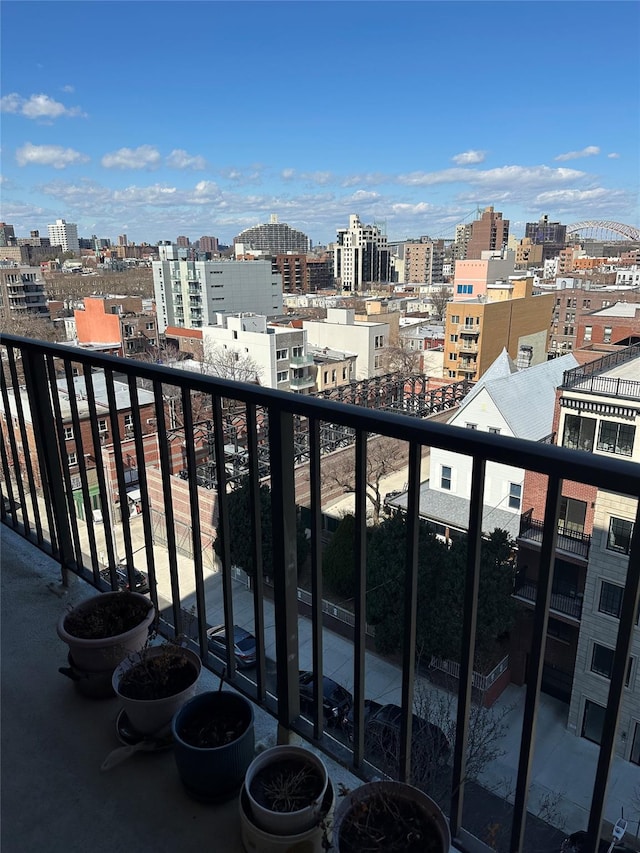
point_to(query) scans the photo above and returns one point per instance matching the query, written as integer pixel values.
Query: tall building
(552, 236)
(191, 293)
(489, 233)
(122, 240)
(341, 331)
(22, 292)
(461, 241)
(64, 234)
(361, 256)
(274, 238)
(423, 260)
(7, 234)
(208, 244)
(183, 241)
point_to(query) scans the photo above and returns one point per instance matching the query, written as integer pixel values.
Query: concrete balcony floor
(54, 795)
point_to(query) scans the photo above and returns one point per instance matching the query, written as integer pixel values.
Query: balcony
(570, 541)
(469, 331)
(563, 600)
(56, 740)
(301, 360)
(298, 383)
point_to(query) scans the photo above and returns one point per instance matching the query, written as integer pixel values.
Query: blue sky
(157, 119)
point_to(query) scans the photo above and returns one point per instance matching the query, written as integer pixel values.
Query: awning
(134, 495)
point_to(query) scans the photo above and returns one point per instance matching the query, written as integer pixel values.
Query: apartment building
(119, 322)
(472, 277)
(489, 233)
(423, 260)
(597, 411)
(575, 300)
(512, 317)
(64, 234)
(273, 238)
(551, 237)
(341, 331)
(192, 293)
(22, 292)
(361, 256)
(616, 324)
(332, 368)
(304, 274)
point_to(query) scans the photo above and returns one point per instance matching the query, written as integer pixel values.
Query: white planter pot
(285, 823)
(314, 840)
(148, 716)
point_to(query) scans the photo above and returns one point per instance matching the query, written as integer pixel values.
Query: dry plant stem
(287, 791)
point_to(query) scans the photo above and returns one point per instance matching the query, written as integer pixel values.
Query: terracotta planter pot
(286, 759)
(213, 773)
(436, 826)
(150, 715)
(105, 653)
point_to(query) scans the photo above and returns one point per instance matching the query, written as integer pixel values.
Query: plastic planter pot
(149, 713)
(99, 654)
(410, 821)
(285, 788)
(214, 743)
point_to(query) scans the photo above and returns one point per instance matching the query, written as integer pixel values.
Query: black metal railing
(564, 599)
(586, 378)
(37, 466)
(569, 540)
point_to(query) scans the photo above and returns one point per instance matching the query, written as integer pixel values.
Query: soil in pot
(207, 731)
(383, 823)
(108, 617)
(287, 785)
(158, 677)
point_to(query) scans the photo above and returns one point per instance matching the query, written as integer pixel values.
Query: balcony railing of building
(586, 378)
(569, 540)
(301, 360)
(36, 482)
(563, 598)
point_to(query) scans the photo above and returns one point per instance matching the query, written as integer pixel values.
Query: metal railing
(585, 378)
(35, 460)
(561, 600)
(478, 680)
(569, 540)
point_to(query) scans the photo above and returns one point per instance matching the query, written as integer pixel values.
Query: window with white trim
(72, 458)
(620, 533)
(445, 477)
(515, 495)
(281, 354)
(283, 376)
(616, 438)
(102, 425)
(68, 433)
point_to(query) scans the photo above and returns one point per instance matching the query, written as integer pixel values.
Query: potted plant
(285, 788)
(105, 628)
(214, 743)
(154, 683)
(390, 817)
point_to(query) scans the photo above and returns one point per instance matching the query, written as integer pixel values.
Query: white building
(191, 293)
(341, 331)
(64, 234)
(279, 353)
(360, 256)
(628, 276)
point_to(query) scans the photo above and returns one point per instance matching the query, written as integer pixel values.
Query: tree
(401, 360)
(241, 547)
(28, 325)
(439, 300)
(230, 364)
(384, 456)
(338, 559)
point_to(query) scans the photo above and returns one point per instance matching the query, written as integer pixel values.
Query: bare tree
(384, 456)
(401, 360)
(231, 364)
(439, 300)
(27, 325)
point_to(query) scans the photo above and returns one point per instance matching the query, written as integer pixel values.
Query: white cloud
(288, 174)
(49, 155)
(598, 198)
(467, 158)
(179, 159)
(613, 156)
(38, 107)
(143, 157)
(589, 151)
(504, 176)
(68, 89)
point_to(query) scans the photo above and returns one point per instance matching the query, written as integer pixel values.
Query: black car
(244, 645)
(122, 579)
(336, 700)
(577, 843)
(430, 747)
(370, 707)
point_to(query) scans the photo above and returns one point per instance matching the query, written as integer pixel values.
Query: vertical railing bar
(114, 420)
(360, 600)
(315, 501)
(627, 623)
(103, 487)
(165, 468)
(196, 532)
(536, 660)
(468, 645)
(72, 518)
(16, 463)
(25, 446)
(410, 611)
(285, 580)
(144, 491)
(79, 448)
(256, 543)
(221, 485)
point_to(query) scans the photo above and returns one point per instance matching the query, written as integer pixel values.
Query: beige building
(341, 331)
(509, 316)
(332, 368)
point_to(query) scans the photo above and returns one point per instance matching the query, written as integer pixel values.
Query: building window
(635, 746)
(602, 662)
(515, 495)
(616, 438)
(559, 630)
(379, 341)
(607, 335)
(453, 356)
(572, 514)
(452, 374)
(445, 478)
(326, 376)
(283, 376)
(494, 430)
(578, 432)
(377, 362)
(587, 333)
(128, 420)
(471, 426)
(68, 433)
(150, 327)
(620, 533)
(593, 721)
(610, 599)
(296, 352)
(102, 426)
(453, 338)
(72, 458)
(455, 318)
(281, 354)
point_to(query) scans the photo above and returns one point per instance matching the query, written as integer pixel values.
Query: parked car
(336, 700)
(244, 645)
(577, 843)
(370, 707)
(430, 747)
(122, 579)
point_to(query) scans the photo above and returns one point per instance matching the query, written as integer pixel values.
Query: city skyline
(410, 115)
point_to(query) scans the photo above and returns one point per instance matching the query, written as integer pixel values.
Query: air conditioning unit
(151, 421)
